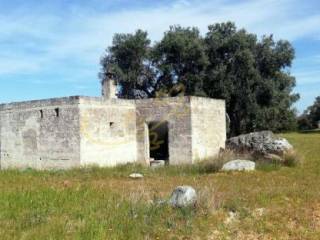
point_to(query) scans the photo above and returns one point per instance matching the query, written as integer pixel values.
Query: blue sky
(52, 48)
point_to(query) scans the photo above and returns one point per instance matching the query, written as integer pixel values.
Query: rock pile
(263, 143)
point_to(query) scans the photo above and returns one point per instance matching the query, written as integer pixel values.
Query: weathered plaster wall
(94, 131)
(208, 127)
(108, 131)
(176, 111)
(32, 135)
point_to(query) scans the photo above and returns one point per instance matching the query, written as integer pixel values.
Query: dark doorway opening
(158, 140)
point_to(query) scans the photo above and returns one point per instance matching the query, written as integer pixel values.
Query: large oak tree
(251, 74)
(311, 116)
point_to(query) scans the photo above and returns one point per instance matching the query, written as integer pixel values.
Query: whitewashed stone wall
(208, 118)
(107, 131)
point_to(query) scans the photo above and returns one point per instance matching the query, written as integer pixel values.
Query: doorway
(158, 140)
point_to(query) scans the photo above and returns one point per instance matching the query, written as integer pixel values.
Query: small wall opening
(158, 140)
(41, 113)
(57, 112)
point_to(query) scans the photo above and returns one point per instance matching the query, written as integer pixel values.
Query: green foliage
(251, 75)
(311, 117)
(128, 61)
(268, 166)
(180, 58)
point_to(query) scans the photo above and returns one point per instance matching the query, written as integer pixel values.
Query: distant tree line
(251, 74)
(310, 119)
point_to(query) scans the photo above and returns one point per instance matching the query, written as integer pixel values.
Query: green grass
(311, 131)
(97, 203)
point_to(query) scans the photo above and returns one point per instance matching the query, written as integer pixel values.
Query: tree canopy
(251, 74)
(311, 116)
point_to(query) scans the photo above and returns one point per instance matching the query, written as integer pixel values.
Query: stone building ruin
(62, 133)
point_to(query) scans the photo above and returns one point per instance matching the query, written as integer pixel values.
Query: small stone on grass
(239, 165)
(136, 175)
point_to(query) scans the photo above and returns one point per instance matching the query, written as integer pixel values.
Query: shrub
(209, 199)
(214, 164)
(291, 159)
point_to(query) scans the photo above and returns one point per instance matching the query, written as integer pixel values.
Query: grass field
(271, 203)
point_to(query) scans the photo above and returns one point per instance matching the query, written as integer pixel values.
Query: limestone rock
(281, 145)
(263, 142)
(157, 163)
(231, 217)
(183, 196)
(136, 175)
(239, 165)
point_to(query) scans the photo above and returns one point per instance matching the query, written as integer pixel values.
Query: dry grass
(98, 203)
(209, 200)
(215, 164)
(292, 159)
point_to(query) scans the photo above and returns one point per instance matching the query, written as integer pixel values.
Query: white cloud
(80, 38)
(307, 72)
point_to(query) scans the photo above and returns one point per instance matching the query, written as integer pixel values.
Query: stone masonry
(68, 132)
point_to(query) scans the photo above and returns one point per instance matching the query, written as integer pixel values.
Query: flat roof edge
(41, 102)
(70, 100)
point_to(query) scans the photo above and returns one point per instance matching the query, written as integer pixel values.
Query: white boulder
(183, 196)
(136, 175)
(281, 145)
(264, 142)
(239, 165)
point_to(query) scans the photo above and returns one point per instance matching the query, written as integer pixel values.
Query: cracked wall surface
(32, 135)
